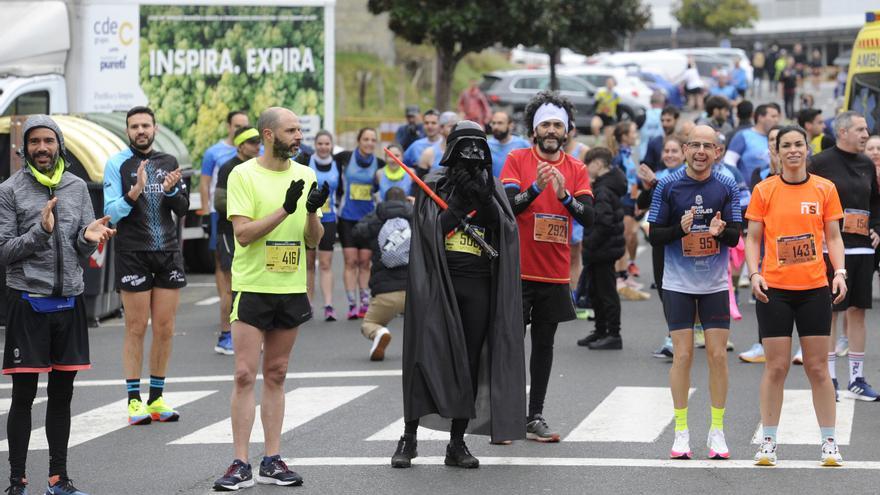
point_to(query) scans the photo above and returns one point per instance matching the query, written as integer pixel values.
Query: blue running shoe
(238, 476)
(63, 487)
(18, 487)
(860, 390)
(276, 472)
(224, 344)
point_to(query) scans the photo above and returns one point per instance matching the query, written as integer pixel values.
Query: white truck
(192, 61)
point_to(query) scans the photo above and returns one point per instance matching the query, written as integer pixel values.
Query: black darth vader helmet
(467, 143)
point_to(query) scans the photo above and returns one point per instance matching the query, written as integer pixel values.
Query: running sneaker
(860, 390)
(380, 342)
(798, 357)
(64, 486)
(407, 450)
(631, 294)
(831, 454)
(681, 447)
(717, 445)
(224, 344)
(842, 346)
(137, 413)
(766, 455)
(836, 394)
(582, 313)
(238, 476)
(162, 412)
(352, 312)
(753, 355)
(329, 313)
(699, 337)
(362, 312)
(458, 455)
(537, 430)
(633, 284)
(590, 338)
(17, 486)
(665, 350)
(276, 472)
(610, 342)
(632, 269)
(730, 346)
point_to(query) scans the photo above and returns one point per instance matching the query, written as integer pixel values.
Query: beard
(284, 151)
(549, 149)
(53, 160)
(501, 136)
(133, 143)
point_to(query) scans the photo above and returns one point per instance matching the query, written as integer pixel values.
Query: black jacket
(604, 241)
(854, 176)
(382, 278)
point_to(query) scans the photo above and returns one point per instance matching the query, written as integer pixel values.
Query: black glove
(485, 187)
(465, 192)
(294, 192)
(317, 197)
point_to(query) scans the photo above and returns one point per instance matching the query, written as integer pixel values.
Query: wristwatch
(840, 271)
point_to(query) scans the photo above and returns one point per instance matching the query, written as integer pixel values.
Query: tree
(718, 17)
(585, 26)
(455, 28)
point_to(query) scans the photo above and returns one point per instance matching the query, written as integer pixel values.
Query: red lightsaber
(466, 227)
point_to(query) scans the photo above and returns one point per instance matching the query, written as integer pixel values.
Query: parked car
(666, 63)
(730, 55)
(512, 90)
(631, 88)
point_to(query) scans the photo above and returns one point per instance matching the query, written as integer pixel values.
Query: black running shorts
(859, 281)
(42, 342)
(329, 238)
(271, 311)
(546, 303)
(809, 309)
(140, 271)
(225, 250)
(681, 309)
(346, 235)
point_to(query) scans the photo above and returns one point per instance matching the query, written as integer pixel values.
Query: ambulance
(863, 80)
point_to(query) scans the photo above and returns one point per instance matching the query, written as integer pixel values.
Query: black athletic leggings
(540, 364)
(473, 296)
(18, 423)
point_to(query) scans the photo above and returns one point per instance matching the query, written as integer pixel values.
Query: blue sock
(770, 431)
(826, 433)
(157, 385)
(133, 387)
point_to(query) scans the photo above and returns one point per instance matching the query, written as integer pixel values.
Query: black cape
(436, 377)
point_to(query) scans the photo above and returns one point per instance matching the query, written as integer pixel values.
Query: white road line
(303, 405)
(209, 301)
(581, 462)
(104, 420)
(6, 403)
(627, 414)
(228, 378)
(393, 431)
(798, 425)
(201, 284)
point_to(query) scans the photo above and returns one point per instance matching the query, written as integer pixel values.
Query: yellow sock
(717, 418)
(681, 419)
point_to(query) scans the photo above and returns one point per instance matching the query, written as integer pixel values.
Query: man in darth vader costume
(463, 358)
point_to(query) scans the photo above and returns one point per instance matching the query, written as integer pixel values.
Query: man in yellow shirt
(273, 223)
(607, 100)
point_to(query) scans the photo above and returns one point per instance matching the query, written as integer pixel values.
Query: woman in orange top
(795, 213)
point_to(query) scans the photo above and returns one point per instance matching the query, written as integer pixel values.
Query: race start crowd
(451, 223)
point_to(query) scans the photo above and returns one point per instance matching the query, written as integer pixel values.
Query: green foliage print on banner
(197, 63)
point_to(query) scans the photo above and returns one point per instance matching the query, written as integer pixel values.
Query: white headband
(549, 111)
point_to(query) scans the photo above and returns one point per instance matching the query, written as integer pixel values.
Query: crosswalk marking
(209, 301)
(104, 420)
(303, 405)
(798, 425)
(627, 414)
(585, 462)
(5, 404)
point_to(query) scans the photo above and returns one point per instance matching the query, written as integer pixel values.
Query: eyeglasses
(701, 146)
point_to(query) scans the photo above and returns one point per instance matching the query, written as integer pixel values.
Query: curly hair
(552, 98)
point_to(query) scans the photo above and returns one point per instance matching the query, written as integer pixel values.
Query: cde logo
(809, 208)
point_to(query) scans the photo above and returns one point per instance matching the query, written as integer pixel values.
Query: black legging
(540, 364)
(18, 423)
(473, 296)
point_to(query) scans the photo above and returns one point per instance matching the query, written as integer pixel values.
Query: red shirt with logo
(544, 226)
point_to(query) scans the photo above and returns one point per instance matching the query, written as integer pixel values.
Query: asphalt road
(340, 429)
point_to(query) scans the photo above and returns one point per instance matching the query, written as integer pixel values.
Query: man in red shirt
(547, 188)
(473, 105)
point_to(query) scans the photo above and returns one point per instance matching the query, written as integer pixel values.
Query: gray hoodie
(36, 261)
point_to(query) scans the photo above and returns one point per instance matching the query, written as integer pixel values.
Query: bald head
(281, 132)
(701, 150)
(271, 118)
(703, 132)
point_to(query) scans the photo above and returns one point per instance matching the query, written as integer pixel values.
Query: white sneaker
(699, 338)
(681, 447)
(717, 445)
(380, 342)
(842, 346)
(766, 455)
(798, 357)
(831, 454)
(753, 355)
